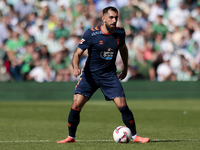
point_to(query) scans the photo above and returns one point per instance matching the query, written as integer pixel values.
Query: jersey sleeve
(85, 42)
(123, 37)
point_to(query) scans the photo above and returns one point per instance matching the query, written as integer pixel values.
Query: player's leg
(74, 117)
(126, 113)
(128, 119)
(113, 90)
(84, 89)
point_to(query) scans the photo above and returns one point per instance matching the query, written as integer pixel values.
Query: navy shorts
(109, 85)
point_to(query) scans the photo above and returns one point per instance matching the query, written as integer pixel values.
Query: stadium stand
(34, 30)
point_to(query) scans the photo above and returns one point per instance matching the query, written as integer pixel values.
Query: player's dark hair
(105, 10)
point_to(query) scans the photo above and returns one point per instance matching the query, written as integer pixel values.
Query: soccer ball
(122, 134)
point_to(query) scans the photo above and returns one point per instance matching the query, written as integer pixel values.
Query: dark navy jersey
(102, 49)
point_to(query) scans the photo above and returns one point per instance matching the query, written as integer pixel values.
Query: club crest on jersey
(107, 54)
(82, 40)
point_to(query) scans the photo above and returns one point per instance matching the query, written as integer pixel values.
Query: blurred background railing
(134, 90)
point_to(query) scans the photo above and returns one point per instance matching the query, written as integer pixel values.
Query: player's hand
(76, 72)
(123, 74)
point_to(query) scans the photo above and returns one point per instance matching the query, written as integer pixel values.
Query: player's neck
(104, 30)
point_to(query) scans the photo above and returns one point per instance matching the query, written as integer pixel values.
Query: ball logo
(107, 54)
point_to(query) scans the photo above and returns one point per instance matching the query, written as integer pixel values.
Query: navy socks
(128, 118)
(73, 121)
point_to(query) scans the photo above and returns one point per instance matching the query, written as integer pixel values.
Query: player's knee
(120, 102)
(78, 101)
(76, 106)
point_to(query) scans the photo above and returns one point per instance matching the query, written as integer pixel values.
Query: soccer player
(103, 43)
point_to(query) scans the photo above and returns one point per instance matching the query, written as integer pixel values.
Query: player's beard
(110, 29)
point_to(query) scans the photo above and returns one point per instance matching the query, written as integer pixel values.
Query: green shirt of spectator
(13, 45)
(158, 27)
(143, 68)
(67, 61)
(61, 31)
(157, 42)
(192, 47)
(59, 62)
(56, 66)
(27, 62)
(126, 11)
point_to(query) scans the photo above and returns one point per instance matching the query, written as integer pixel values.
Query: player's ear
(103, 18)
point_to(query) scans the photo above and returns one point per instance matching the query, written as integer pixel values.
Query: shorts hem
(82, 94)
(109, 99)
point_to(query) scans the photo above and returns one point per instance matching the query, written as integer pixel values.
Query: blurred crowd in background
(38, 38)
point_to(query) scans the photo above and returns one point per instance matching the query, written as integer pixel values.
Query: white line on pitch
(94, 140)
(32, 141)
(25, 141)
(165, 140)
(43, 141)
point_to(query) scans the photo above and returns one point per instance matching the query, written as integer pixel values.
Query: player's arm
(124, 55)
(75, 61)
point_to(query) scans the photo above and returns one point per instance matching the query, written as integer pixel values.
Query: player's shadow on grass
(174, 140)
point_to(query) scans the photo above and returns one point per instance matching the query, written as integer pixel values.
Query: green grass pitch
(170, 124)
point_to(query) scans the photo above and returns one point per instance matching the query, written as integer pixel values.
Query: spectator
(172, 4)
(61, 12)
(4, 28)
(60, 30)
(39, 31)
(31, 18)
(185, 73)
(26, 58)
(155, 10)
(195, 13)
(4, 7)
(14, 51)
(121, 3)
(44, 11)
(53, 6)
(157, 43)
(35, 29)
(91, 9)
(3, 74)
(142, 5)
(23, 9)
(36, 59)
(61, 66)
(53, 45)
(126, 11)
(164, 71)
(167, 45)
(179, 15)
(52, 22)
(137, 22)
(42, 73)
(105, 3)
(159, 27)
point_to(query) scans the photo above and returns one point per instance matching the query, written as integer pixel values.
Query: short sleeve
(123, 37)
(85, 41)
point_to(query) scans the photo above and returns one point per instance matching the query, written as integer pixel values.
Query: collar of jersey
(104, 32)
